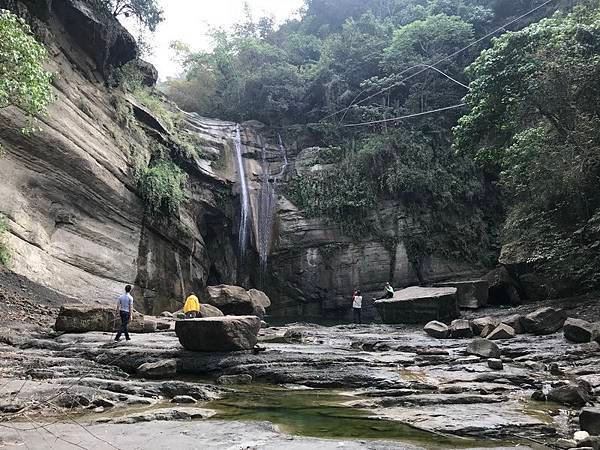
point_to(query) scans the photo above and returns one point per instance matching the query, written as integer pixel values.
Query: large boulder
(484, 348)
(570, 395)
(589, 420)
(419, 305)
(84, 318)
(235, 300)
(207, 310)
(218, 334)
(437, 329)
(544, 321)
(580, 331)
(471, 294)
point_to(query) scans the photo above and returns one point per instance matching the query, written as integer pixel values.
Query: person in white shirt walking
(125, 310)
(357, 307)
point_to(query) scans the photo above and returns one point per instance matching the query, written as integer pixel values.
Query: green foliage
(534, 122)
(5, 256)
(146, 12)
(24, 82)
(128, 77)
(162, 186)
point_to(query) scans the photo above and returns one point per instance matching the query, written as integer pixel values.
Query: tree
(534, 123)
(147, 12)
(24, 82)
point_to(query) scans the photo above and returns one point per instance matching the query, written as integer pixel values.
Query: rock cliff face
(77, 224)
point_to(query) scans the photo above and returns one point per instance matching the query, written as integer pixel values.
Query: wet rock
(166, 414)
(589, 420)
(293, 336)
(235, 300)
(514, 321)
(234, 379)
(570, 395)
(480, 323)
(502, 331)
(470, 294)
(207, 310)
(495, 364)
(172, 389)
(85, 318)
(544, 321)
(159, 369)
(565, 443)
(104, 403)
(580, 331)
(72, 400)
(437, 329)
(218, 334)
(181, 399)
(460, 329)
(419, 305)
(484, 348)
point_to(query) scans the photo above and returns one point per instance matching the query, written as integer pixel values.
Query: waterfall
(245, 203)
(267, 202)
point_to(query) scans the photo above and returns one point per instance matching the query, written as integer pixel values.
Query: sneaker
(128, 339)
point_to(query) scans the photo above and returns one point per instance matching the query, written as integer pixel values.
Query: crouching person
(191, 308)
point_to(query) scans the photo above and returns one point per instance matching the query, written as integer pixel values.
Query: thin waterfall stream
(267, 202)
(245, 203)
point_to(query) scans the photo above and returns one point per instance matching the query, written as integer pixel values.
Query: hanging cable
(497, 30)
(404, 117)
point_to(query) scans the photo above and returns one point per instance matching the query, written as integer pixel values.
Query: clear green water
(322, 414)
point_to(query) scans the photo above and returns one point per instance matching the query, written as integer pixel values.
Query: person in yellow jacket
(191, 308)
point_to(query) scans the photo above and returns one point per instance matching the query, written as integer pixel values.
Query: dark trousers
(124, 324)
(356, 315)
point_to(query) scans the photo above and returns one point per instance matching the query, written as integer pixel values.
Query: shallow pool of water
(323, 414)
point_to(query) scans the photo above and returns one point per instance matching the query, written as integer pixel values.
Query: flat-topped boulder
(218, 334)
(78, 318)
(471, 294)
(419, 305)
(235, 300)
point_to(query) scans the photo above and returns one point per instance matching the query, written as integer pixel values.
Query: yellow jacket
(191, 304)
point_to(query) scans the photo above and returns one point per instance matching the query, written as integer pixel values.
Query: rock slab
(85, 318)
(469, 294)
(419, 305)
(218, 334)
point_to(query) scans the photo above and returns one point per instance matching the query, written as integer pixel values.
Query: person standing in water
(125, 310)
(357, 307)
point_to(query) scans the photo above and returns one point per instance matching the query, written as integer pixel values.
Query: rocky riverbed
(353, 383)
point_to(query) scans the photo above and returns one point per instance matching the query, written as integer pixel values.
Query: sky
(190, 20)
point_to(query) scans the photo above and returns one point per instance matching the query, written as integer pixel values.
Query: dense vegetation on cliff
(534, 121)
(350, 62)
